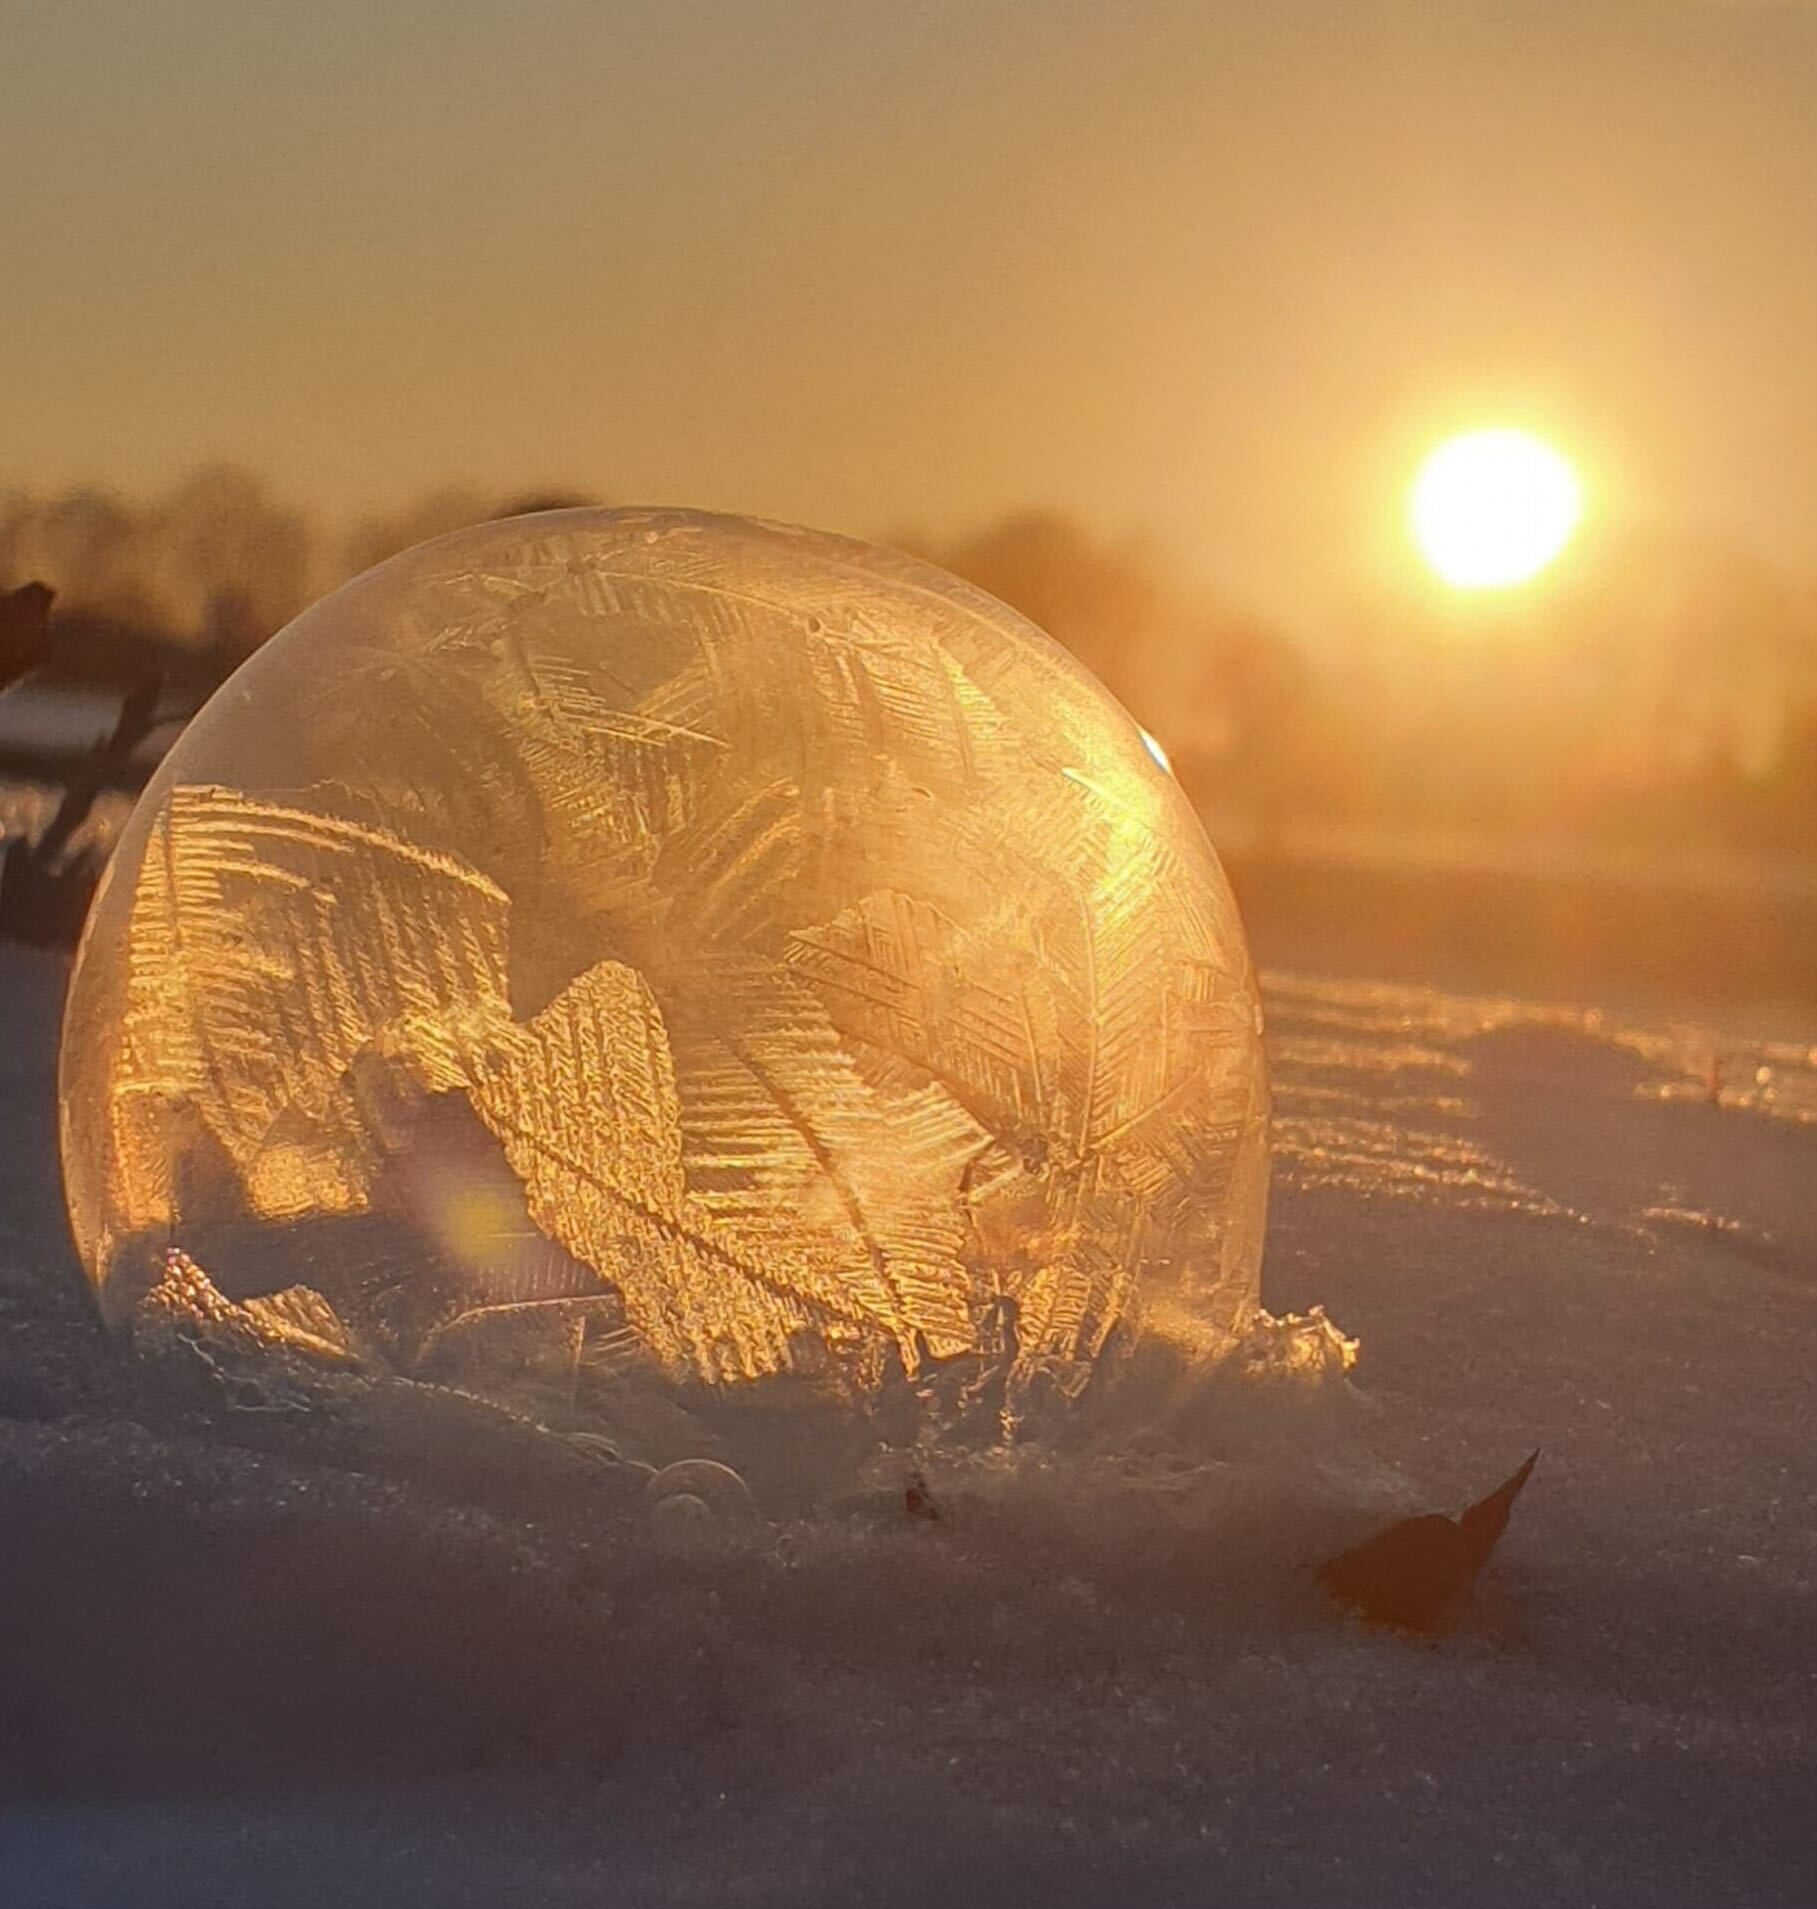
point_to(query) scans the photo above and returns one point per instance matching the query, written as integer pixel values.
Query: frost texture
(748, 952)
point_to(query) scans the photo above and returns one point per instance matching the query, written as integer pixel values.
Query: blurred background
(1144, 318)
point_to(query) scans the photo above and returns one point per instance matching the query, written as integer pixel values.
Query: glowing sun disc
(1493, 508)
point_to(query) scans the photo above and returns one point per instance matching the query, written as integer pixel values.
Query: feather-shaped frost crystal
(728, 951)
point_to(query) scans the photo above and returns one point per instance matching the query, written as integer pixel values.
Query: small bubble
(682, 1520)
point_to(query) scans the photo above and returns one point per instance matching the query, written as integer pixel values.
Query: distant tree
(1105, 604)
(232, 564)
(1797, 779)
(1228, 696)
(453, 507)
(372, 540)
(93, 549)
(1248, 721)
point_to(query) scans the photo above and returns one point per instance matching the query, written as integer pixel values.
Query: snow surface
(254, 1663)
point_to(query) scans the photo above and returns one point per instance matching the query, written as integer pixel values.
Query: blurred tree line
(1660, 695)
(200, 576)
(1665, 698)
(1661, 698)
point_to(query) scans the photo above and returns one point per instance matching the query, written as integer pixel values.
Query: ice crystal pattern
(762, 942)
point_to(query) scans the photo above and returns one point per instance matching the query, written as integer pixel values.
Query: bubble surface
(627, 946)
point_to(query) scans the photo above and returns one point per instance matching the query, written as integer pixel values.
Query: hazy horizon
(1210, 275)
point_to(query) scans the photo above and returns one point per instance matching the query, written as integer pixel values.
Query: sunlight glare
(1494, 508)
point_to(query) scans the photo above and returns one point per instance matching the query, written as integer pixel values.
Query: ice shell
(675, 945)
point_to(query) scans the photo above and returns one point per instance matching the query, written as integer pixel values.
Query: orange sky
(1213, 272)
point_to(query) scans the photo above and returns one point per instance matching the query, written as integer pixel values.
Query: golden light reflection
(814, 962)
(1493, 508)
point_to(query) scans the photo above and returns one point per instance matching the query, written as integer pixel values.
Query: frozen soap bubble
(619, 947)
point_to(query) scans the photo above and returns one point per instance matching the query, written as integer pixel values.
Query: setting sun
(1493, 508)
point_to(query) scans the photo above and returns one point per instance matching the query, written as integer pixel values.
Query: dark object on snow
(1418, 1575)
(918, 1501)
(46, 886)
(24, 630)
